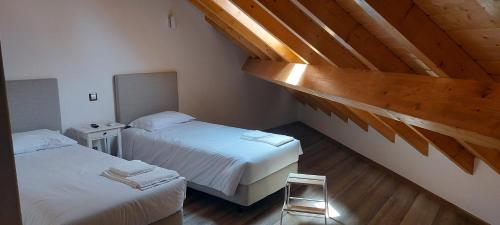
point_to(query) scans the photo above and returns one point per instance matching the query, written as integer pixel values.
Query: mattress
(209, 154)
(64, 186)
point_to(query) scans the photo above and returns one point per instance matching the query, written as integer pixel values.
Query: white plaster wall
(84, 43)
(478, 194)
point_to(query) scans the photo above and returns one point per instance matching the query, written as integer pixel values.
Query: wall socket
(93, 97)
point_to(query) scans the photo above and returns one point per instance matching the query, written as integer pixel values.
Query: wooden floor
(360, 191)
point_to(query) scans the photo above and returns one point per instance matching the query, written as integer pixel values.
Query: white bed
(64, 186)
(208, 154)
(213, 158)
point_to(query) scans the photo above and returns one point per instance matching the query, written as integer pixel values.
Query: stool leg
(325, 189)
(289, 193)
(281, 218)
(285, 202)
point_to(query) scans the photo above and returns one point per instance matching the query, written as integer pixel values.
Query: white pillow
(39, 140)
(161, 120)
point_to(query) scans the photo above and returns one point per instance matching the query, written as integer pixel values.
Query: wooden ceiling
(475, 25)
(425, 70)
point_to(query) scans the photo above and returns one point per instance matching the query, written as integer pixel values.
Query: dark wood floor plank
(348, 199)
(361, 191)
(394, 210)
(423, 211)
(373, 202)
(449, 215)
(344, 175)
(322, 161)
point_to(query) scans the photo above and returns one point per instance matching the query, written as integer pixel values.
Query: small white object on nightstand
(86, 135)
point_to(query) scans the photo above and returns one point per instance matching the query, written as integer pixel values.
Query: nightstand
(99, 138)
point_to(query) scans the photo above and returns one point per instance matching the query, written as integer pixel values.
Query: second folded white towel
(268, 138)
(146, 180)
(254, 134)
(131, 168)
(276, 139)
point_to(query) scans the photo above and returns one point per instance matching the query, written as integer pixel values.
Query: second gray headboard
(138, 95)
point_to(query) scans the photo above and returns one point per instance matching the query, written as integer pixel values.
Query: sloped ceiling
(308, 46)
(475, 25)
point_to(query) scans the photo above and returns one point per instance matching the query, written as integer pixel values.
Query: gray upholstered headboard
(138, 95)
(34, 104)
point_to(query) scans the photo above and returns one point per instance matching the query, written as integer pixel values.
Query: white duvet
(65, 186)
(208, 154)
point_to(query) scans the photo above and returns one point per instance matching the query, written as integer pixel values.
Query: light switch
(93, 97)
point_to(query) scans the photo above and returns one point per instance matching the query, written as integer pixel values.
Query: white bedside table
(86, 135)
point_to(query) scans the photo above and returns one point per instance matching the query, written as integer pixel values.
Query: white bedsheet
(65, 186)
(208, 154)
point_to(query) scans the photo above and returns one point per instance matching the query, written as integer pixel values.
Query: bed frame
(138, 95)
(24, 100)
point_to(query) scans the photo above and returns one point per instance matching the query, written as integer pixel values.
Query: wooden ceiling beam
(224, 28)
(410, 135)
(358, 121)
(452, 149)
(343, 115)
(284, 51)
(491, 6)
(297, 95)
(328, 107)
(395, 26)
(350, 35)
(315, 102)
(325, 106)
(334, 52)
(308, 101)
(416, 100)
(488, 155)
(209, 7)
(377, 124)
(359, 40)
(280, 31)
(229, 9)
(229, 31)
(311, 33)
(274, 26)
(342, 112)
(252, 51)
(429, 42)
(362, 44)
(337, 20)
(319, 104)
(298, 45)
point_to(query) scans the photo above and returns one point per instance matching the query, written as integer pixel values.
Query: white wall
(479, 194)
(84, 43)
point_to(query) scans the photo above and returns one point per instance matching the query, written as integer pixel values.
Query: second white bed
(64, 186)
(208, 154)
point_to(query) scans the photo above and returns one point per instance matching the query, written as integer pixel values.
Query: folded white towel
(131, 168)
(146, 180)
(268, 138)
(254, 134)
(275, 139)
